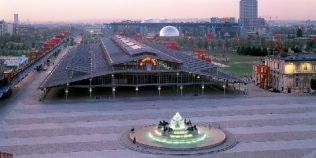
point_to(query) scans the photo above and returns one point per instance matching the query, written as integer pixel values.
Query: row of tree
(252, 51)
(255, 47)
(4, 52)
(13, 46)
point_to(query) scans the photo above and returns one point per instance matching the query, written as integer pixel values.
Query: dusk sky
(78, 10)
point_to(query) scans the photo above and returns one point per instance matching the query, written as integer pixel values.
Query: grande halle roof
(93, 60)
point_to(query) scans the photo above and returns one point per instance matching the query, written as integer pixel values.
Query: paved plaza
(265, 127)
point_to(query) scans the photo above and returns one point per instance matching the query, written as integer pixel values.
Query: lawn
(240, 65)
(241, 69)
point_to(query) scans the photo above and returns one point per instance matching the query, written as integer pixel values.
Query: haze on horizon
(99, 10)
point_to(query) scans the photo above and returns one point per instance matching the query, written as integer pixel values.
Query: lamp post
(113, 92)
(45, 93)
(178, 83)
(66, 92)
(245, 89)
(196, 85)
(181, 90)
(136, 89)
(90, 89)
(90, 92)
(159, 90)
(203, 87)
(112, 79)
(224, 86)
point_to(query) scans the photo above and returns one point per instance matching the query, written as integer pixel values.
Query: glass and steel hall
(118, 61)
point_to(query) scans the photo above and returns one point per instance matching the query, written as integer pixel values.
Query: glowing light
(182, 136)
(179, 133)
(289, 68)
(157, 132)
(177, 122)
(148, 60)
(307, 67)
(178, 141)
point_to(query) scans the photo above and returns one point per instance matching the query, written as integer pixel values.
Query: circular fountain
(178, 137)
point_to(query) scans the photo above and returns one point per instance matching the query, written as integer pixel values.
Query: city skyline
(96, 10)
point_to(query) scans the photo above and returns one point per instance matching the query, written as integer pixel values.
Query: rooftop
(13, 61)
(295, 56)
(93, 60)
(121, 49)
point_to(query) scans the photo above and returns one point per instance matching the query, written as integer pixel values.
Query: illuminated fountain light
(178, 140)
(177, 132)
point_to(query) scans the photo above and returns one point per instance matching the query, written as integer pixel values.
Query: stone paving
(265, 127)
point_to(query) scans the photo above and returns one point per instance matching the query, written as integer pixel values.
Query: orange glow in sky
(79, 10)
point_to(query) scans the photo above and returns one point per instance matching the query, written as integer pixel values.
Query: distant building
(223, 20)
(1, 78)
(34, 55)
(7, 28)
(169, 31)
(261, 75)
(11, 28)
(186, 29)
(1, 70)
(13, 61)
(16, 19)
(248, 16)
(94, 29)
(288, 73)
(3, 28)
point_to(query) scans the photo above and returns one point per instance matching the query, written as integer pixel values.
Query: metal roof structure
(120, 49)
(82, 62)
(88, 61)
(194, 65)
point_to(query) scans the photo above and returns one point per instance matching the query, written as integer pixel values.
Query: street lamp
(245, 89)
(66, 92)
(203, 87)
(224, 86)
(196, 85)
(159, 89)
(113, 92)
(90, 91)
(181, 89)
(136, 89)
(178, 82)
